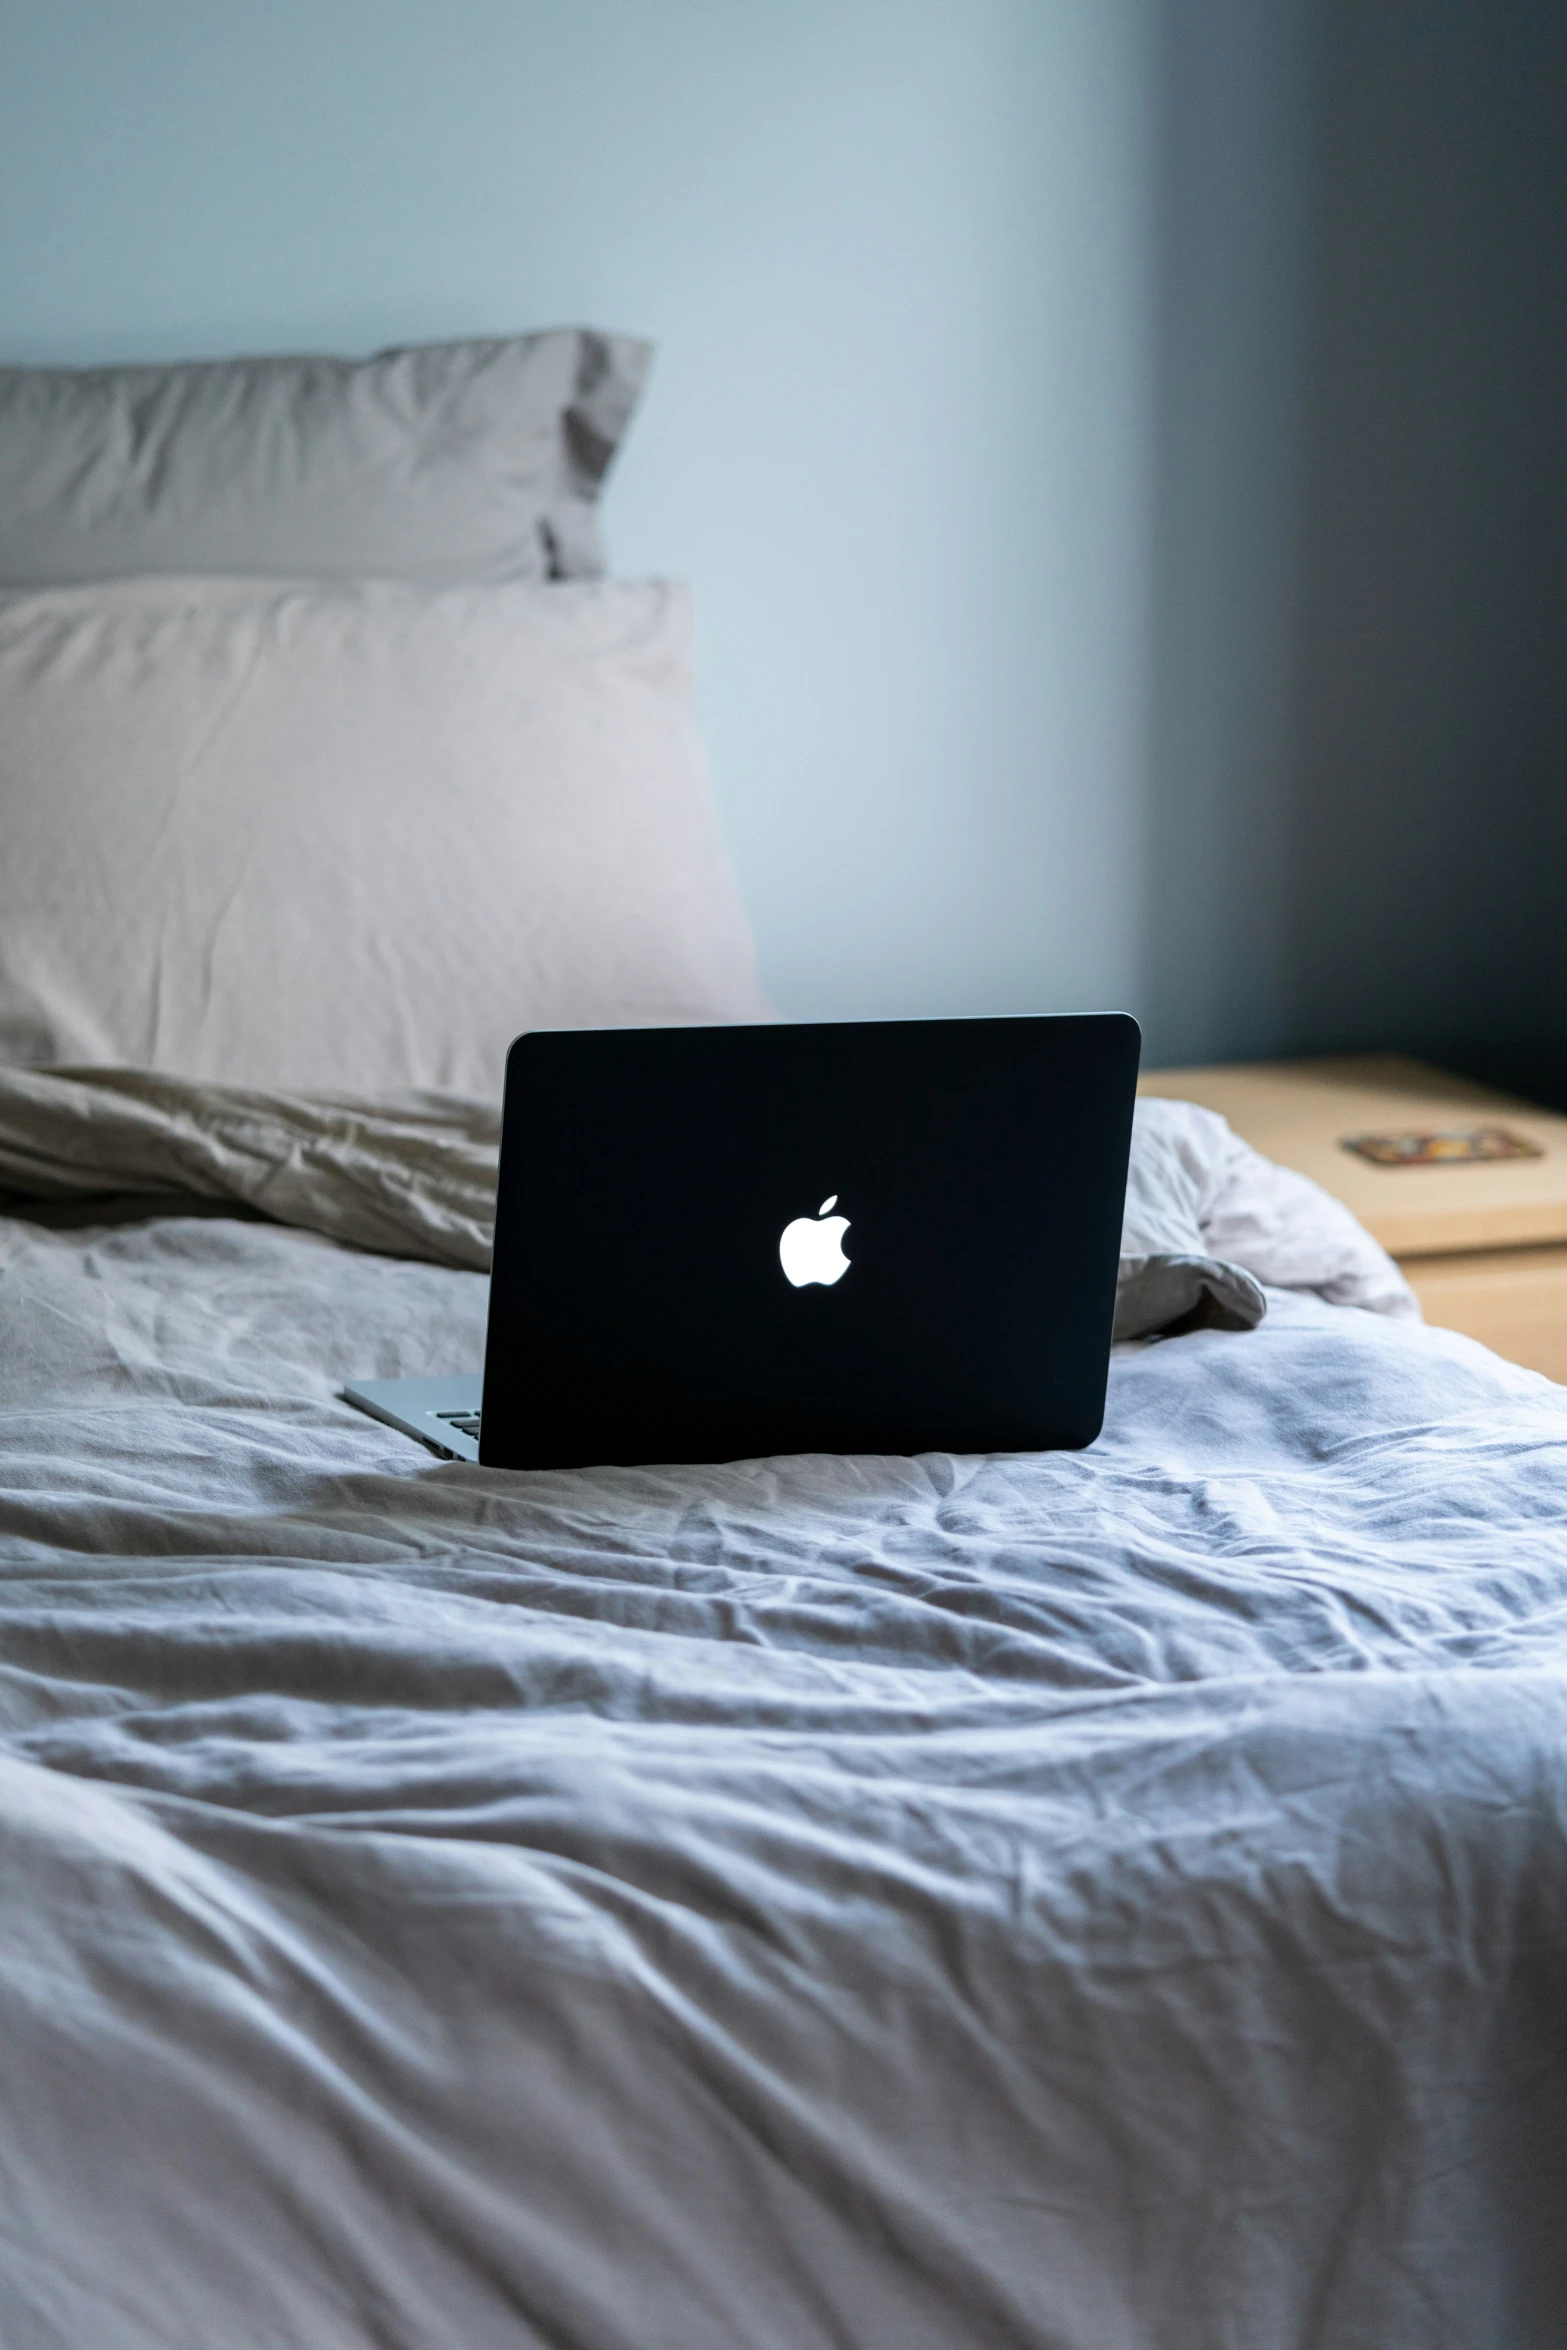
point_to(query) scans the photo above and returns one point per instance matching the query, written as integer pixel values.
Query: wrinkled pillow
(444, 461)
(1209, 1221)
(354, 839)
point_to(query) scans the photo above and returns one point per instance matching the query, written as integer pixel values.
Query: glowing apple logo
(811, 1248)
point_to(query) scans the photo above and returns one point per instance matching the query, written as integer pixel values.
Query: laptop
(714, 1244)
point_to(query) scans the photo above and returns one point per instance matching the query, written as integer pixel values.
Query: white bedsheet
(1072, 1902)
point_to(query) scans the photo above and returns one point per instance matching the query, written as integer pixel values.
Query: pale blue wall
(1120, 446)
(1357, 816)
(1428, 879)
(896, 256)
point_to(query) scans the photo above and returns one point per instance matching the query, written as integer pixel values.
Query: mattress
(1060, 1902)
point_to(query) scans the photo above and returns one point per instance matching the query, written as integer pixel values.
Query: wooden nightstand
(1483, 1244)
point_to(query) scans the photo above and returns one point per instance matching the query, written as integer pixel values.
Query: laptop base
(442, 1413)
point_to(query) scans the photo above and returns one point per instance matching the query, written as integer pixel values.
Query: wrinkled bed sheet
(1062, 1902)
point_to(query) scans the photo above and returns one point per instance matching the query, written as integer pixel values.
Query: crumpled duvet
(1055, 1902)
(1208, 1220)
(413, 1176)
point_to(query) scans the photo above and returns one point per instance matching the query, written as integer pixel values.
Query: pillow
(353, 837)
(447, 461)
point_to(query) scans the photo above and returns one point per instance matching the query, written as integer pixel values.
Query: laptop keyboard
(465, 1423)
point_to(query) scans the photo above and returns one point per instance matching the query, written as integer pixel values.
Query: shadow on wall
(1360, 768)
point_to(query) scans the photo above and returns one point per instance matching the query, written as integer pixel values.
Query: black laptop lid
(972, 1173)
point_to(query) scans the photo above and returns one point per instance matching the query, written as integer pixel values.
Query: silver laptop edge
(442, 1413)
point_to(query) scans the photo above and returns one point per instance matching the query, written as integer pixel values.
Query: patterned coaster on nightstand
(1449, 1146)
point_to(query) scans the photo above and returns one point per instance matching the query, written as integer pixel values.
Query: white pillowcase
(439, 462)
(355, 837)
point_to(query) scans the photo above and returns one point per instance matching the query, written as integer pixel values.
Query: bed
(1077, 1899)
(1059, 1902)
